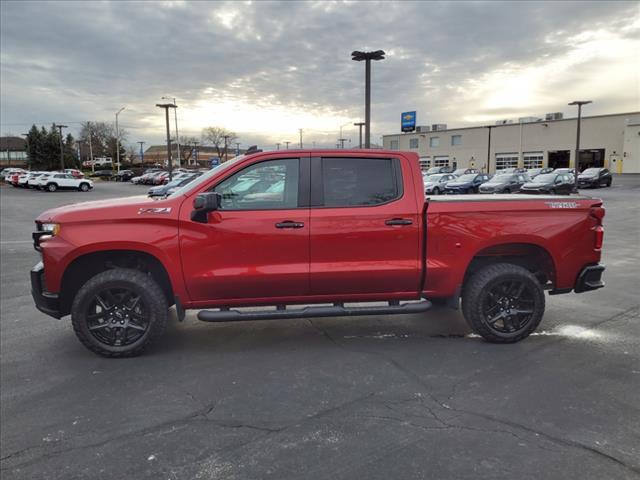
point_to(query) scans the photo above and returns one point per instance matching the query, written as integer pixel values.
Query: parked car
(570, 171)
(34, 178)
(594, 178)
(504, 183)
(561, 183)
(203, 248)
(467, 183)
(445, 169)
(8, 172)
(511, 170)
(23, 178)
(103, 174)
(124, 175)
(435, 184)
(534, 172)
(43, 179)
(158, 178)
(76, 173)
(66, 181)
(162, 190)
(463, 171)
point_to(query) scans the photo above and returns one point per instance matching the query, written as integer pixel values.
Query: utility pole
(277, 146)
(237, 149)
(60, 127)
(195, 152)
(166, 107)
(118, 139)
(175, 115)
(489, 150)
(579, 103)
(300, 137)
(367, 57)
(287, 144)
(359, 125)
(342, 140)
(141, 153)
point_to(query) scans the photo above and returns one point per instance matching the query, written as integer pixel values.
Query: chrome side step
(336, 310)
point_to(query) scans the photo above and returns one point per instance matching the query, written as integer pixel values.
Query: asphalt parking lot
(407, 397)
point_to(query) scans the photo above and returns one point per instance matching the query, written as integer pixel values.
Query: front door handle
(289, 224)
(398, 221)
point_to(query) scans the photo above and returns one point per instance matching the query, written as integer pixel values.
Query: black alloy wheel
(117, 317)
(503, 302)
(508, 306)
(119, 312)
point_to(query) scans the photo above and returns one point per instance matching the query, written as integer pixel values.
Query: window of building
(351, 182)
(533, 159)
(262, 186)
(456, 140)
(506, 160)
(434, 142)
(425, 163)
(393, 145)
(441, 161)
(413, 143)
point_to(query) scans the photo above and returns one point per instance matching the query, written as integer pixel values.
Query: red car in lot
(324, 228)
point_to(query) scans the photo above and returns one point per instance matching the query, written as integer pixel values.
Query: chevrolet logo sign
(408, 117)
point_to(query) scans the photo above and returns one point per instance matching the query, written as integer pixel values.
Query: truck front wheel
(119, 313)
(503, 303)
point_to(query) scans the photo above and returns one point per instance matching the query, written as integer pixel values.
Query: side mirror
(203, 204)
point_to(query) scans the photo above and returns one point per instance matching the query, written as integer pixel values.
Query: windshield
(468, 177)
(545, 178)
(434, 178)
(590, 172)
(205, 177)
(501, 177)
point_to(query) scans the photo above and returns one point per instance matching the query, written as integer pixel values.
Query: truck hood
(101, 210)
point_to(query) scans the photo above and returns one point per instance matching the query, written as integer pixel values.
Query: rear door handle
(398, 221)
(289, 224)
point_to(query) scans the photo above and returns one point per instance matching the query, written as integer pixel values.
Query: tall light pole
(141, 153)
(60, 127)
(359, 125)
(118, 139)
(340, 139)
(166, 107)
(277, 146)
(175, 115)
(367, 57)
(300, 137)
(579, 103)
(226, 141)
(93, 167)
(287, 144)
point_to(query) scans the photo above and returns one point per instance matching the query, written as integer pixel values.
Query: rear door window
(357, 182)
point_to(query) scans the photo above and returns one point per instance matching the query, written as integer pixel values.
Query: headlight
(51, 228)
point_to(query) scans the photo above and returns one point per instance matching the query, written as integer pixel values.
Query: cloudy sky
(267, 69)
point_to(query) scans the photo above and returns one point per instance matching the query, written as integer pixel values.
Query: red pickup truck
(323, 229)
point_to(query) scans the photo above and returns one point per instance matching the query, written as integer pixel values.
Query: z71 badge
(562, 204)
(159, 210)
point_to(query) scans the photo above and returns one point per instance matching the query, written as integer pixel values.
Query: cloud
(266, 69)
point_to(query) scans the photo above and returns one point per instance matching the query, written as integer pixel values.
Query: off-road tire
(477, 288)
(140, 283)
(52, 187)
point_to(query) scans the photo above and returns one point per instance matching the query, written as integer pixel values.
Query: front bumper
(590, 278)
(46, 302)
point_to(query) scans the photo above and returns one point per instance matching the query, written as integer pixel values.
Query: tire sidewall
(52, 187)
(84, 187)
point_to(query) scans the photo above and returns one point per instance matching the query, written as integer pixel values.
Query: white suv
(60, 181)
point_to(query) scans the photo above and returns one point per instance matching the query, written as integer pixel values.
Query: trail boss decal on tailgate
(159, 210)
(562, 204)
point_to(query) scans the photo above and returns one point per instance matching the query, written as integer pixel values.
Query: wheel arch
(87, 265)
(532, 256)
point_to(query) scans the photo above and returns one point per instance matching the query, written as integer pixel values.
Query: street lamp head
(580, 102)
(359, 56)
(118, 112)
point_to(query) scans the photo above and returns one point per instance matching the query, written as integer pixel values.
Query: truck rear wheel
(119, 313)
(503, 303)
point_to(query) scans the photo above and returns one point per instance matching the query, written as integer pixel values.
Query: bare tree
(103, 137)
(188, 142)
(215, 136)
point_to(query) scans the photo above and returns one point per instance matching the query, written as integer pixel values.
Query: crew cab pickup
(311, 233)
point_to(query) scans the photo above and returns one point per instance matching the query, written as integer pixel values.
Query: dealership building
(610, 141)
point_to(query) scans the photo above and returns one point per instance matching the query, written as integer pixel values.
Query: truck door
(365, 227)
(257, 244)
